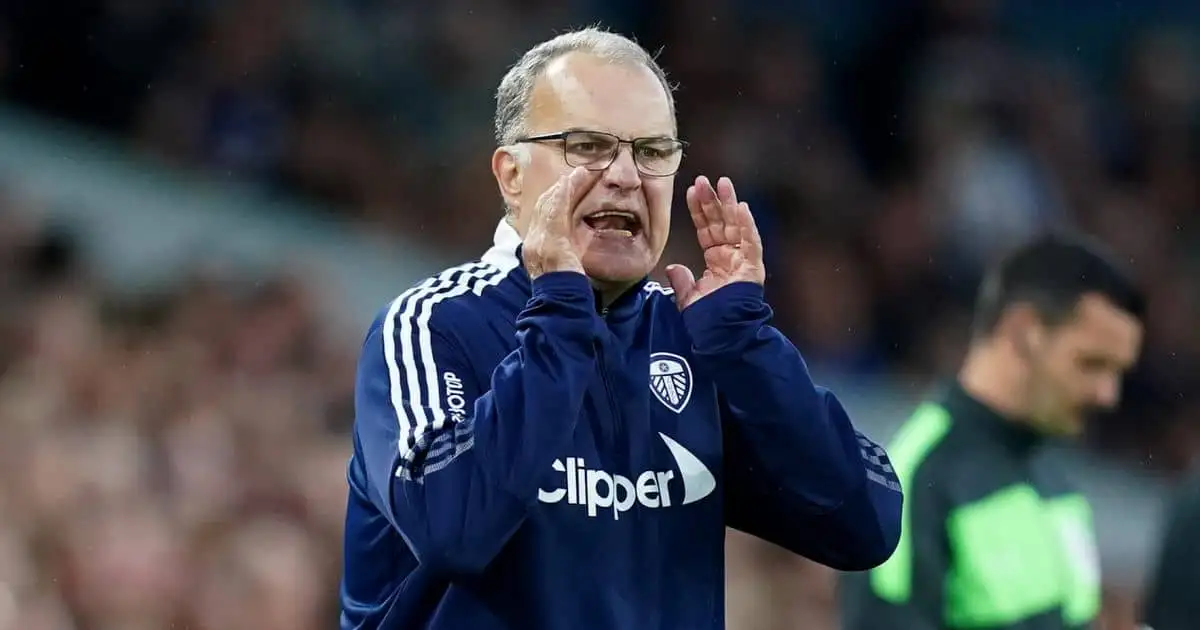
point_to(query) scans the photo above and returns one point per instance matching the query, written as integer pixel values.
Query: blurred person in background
(994, 535)
(544, 438)
(1172, 601)
(129, 421)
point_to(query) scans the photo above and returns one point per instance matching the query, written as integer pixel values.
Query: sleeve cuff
(563, 286)
(727, 318)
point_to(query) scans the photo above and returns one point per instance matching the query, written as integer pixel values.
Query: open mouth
(614, 222)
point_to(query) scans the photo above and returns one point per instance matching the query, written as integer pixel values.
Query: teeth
(629, 221)
(612, 213)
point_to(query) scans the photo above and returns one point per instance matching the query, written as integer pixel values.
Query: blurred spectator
(167, 458)
(170, 457)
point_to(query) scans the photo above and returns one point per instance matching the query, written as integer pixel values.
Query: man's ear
(507, 167)
(1022, 327)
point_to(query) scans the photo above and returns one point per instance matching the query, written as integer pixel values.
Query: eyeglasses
(597, 150)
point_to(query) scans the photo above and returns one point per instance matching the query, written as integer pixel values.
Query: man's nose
(1108, 392)
(623, 172)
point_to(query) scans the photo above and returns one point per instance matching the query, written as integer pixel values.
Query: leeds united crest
(671, 380)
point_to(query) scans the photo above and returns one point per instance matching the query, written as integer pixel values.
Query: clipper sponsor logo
(599, 490)
(456, 400)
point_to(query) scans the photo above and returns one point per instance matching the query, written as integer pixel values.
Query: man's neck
(990, 379)
(609, 292)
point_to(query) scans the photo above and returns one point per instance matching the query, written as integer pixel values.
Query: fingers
(719, 200)
(548, 205)
(725, 192)
(547, 202)
(721, 219)
(559, 208)
(683, 282)
(691, 196)
(549, 245)
(710, 205)
(557, 205)
(579, 183)
(704, 208)
(749, 238)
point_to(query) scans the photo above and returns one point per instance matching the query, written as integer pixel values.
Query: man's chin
(1070, 427)
(618, 262)
(609, 276)
(615, 270)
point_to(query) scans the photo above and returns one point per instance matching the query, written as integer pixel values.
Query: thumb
(682, 281)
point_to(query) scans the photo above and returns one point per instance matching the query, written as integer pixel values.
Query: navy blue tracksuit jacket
(526, 460)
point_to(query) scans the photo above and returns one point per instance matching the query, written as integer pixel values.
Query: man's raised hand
(732, 246)
(548, 244)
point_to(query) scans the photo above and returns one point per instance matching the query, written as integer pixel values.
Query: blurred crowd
(179, 459)
(174, 460)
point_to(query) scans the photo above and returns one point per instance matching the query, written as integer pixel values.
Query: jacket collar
(1015, 434)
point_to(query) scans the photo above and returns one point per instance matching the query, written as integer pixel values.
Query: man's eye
(1094, 364)
(659, 149)
(587, 146)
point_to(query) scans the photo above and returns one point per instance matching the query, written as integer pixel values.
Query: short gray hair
(516, 88)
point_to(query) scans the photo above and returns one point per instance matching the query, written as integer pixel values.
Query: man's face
(581, 92)
(1079, 365)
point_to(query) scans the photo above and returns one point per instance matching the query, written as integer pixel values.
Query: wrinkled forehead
(579, 91)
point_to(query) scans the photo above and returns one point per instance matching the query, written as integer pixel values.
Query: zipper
(617, 427)
(608, 389)
(600, 363)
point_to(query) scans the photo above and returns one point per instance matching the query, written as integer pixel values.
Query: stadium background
(202, 202)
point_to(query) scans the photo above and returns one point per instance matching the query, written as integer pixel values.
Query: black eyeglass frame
(561, 136)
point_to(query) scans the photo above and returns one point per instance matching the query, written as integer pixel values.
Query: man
(1171, 603)
(995, 536)
(546, 440)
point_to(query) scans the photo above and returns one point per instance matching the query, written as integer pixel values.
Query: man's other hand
(732, 246)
